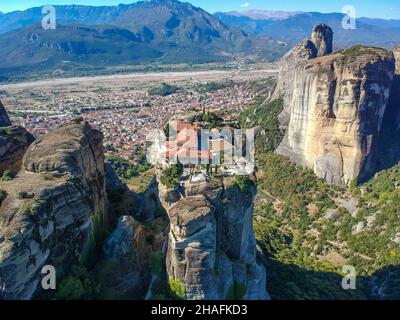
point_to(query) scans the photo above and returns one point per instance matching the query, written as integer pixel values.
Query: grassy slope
(306, 251)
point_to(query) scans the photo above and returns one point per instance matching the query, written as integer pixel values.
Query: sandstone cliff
(211, 245)
(128, 250)
(333, 110)
(388, 153)
(14, 141)
(319, 44)
(48, 213)
(396, 52)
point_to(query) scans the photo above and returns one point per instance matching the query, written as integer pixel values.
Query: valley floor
(207, 75)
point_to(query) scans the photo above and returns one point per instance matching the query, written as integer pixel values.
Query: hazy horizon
(387, 9)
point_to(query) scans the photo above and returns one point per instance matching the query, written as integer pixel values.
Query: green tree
(170, 176)
(177, 288)
(22, 195)
(236, 291)
(245, 184)
(8, 175)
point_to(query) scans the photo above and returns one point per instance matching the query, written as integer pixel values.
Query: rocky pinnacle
(322, 38)
(4, 119)
(334, 104)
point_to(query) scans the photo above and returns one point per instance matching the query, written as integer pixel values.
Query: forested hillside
(309, 230)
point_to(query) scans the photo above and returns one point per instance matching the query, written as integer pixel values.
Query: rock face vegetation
(307, 222)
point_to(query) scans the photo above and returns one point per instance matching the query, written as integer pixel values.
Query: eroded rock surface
(333, 108)
(322, 38)
(388, 153)
(47, 215)
(14, 141)
(319, 44)
(147, 205)
(211, 245)
(127, 251)
(396, 52)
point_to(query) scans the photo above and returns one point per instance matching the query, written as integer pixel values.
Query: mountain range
(293, 27)
(167, 31)
(91, 38)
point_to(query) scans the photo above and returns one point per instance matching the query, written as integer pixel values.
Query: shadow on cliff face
(291, 282)
(387, 146)
(118, 265)
(144, 206)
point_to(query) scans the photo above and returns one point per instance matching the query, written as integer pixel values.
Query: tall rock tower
(319, 44)
(322, 38)
(211, 244)
(334, 106)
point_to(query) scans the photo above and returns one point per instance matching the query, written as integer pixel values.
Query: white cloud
(245, 5)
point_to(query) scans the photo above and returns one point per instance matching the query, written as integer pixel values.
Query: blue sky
(389, 9)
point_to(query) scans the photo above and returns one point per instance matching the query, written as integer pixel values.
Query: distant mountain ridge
(167, 31)
(65, 14)
(295, 26)
(265, 14)
(164, 31)
(34, 48)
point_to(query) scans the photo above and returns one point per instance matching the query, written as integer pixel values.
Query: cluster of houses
(201, 151)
